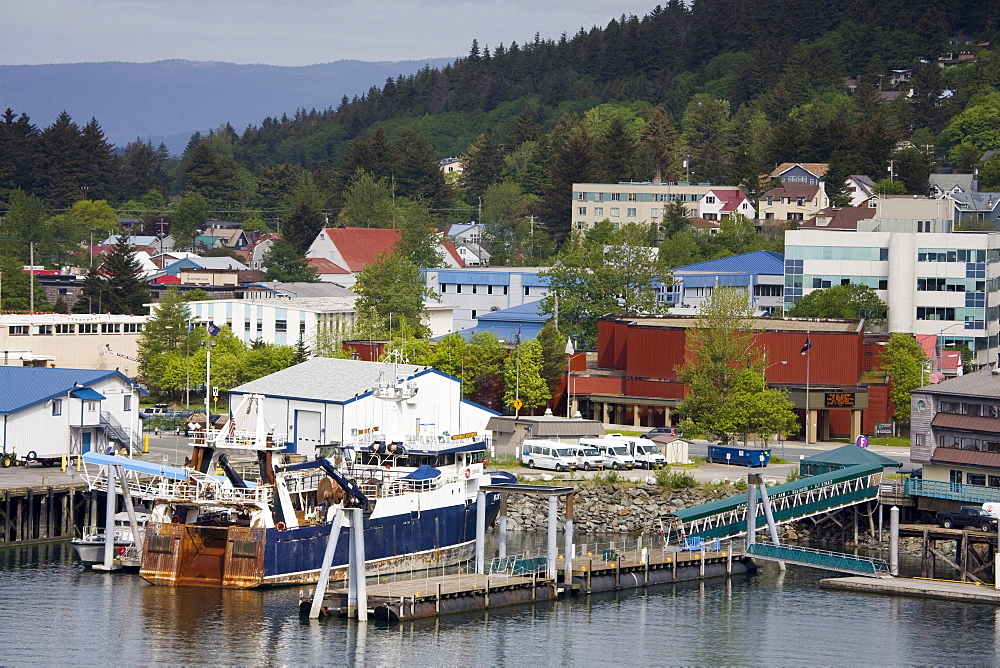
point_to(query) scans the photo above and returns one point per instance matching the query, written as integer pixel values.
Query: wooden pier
(44, 513)
(974, 556)
(466, 592)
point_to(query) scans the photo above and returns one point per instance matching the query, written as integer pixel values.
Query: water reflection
(55, 612)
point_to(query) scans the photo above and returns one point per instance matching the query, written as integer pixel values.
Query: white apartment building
(624, 203)
(472, 292)
(935, 284)
(67, 340)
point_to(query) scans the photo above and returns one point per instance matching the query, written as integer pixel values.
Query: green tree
(484, 162)
(903, 360)
(523, 376)
(450, 355)
(283, 264)
(418, 240)
(392, 293)
(302, 353)
(484, 370)
(16, 288)
(719, 347)
(367, 202)
(187, 214)
(887, 187)
(848, 302)
(553, 345)
(24, 224)
(166, 343)
(117, 286)
(706, 135)
(304, 218)
(603, 271)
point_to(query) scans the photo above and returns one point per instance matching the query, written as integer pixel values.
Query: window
(598, 210)
(955, 475)
(994, 481)
(505, 289)
(280, 325)
(795, 216)
(581, 196)
(473, 314)
(710, 199)
(89, 328)
(711, 216)
(475, 288)
(246, 325)
(630, 213)
(127, 402)
(654, 213)
(65, 329)
(770, 201)
(45, 329)
(92, 406)
(581, 210)
(260, 326)
(444, 288)
(918, 439)
(302, 329)
(631, 197)
(527, 291)
(801, 201)
(616, 197)
(489, 289)
(136, 327)
(57, 406)
(768, 216)
(935, 313)
(458, 288)
(975, 479)
(18, 330)
(111, 328)
(615, 212)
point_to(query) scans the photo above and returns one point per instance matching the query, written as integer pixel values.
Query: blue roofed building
(47, 413)
(523, 322)
(761, 274)
(475, 292)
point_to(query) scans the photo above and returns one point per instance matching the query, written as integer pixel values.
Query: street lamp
(764, 373)
(939, 344)
(208, 382)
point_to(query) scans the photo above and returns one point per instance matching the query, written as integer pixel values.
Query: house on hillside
(860, 188)
(948, 185)
(354, 248)
(793, 201)
(721, 203)
(976, 210)
(810, 173)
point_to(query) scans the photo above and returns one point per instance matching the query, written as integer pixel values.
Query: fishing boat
(90, 547)
(258, 519)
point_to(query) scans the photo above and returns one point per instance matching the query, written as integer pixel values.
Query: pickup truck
(968, 517)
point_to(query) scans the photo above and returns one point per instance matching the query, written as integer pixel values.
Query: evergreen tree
(304, 218)
(367, 202)
(16, 292)
(187, 215)
(283, 264)
(553, 345)
(117, 286)
(25, 224)
(64, 166)
(102, 164)
(416, 170)
(302, 353)
(142, 169)
(523, 376)
(707, 132)
(616, 151)
(575, 161)
(19, 154)
(418, 241)
(483, 166)
(526, 128)
(658, 150)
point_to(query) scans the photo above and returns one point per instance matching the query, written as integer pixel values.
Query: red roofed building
(326, 270)
(721, 203)
(354, 248)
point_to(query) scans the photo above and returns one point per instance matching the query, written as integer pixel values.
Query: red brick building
(633, 378)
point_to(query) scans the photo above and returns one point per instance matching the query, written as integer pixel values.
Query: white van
(588, 458)
(645, 453)
(615, 454)
(548, 455)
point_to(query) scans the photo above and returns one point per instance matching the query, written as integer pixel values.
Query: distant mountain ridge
(168, 100)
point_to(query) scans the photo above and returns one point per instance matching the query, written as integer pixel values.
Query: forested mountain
(728, 86)
(166, 101)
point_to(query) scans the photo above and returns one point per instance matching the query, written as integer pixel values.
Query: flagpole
(808, 412)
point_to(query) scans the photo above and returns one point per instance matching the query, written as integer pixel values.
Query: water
(55, 612)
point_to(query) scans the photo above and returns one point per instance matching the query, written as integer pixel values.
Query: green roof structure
(843, 457)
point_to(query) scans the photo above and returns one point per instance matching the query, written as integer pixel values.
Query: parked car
(616, 455)
(657, 431)
(548, 455)
(588, 458)
(968, 516)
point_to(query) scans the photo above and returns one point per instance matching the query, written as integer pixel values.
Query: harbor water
(53, 611)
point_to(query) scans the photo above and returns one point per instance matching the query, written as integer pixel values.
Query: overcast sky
(283, 32)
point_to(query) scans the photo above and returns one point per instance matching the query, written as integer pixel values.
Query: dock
(917, 587)
(608, 570)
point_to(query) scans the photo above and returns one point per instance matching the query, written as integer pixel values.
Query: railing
(831, 561)
(119, 433)
(954, 491)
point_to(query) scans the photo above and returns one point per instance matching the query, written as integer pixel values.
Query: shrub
(669, 479)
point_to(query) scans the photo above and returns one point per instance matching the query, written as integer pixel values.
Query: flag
(570, 350)
(517, 338)
(807, 346)
(213, 329)
(232, 425)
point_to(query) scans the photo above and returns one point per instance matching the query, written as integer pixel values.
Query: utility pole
(31, 272)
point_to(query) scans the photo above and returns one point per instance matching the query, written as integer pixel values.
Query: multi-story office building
(92, 341)
(472, 292)
(934, 283)
(624, 203)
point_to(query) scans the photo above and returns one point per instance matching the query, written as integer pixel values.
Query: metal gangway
(788, 502)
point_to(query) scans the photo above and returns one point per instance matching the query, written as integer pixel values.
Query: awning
(966, 423)
(87, 393)
(966, 457)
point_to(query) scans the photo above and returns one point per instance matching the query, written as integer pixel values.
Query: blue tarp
(424, 472)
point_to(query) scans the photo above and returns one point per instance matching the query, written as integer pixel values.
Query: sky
(284, 32)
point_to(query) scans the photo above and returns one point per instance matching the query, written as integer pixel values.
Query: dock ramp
(790, 501)
(830, 561)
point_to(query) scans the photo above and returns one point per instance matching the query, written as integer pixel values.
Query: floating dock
(939, 589)
(608, 571)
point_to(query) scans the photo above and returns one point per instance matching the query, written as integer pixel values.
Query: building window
(955, 476)
(795, 216)
(127, 402)
(770, 201)
(135, 327)
(444, 288)
(18, 330)
(57, 406)
(994, 481)
(91, 406)
(616, 197)
(90, 328)
(246, 325)
(44, 329)
(260, 326)
(975, 479)
(475, 288)
(801, 201)
(280, 325)
(918, 439)
(710, 216)
(65, 329)
(630, 213)
(581, 210)
(768, 216)
(581, 196)
(654, 213)
(111, 328)
(458, 288)
(598, 210)
(527, 291)
(615, 212)
(710, 199)
(473, 314)
(505, 289)
(631, 197)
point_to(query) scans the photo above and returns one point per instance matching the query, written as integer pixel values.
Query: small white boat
(90, 548)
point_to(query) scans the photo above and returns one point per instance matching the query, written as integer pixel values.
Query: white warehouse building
(329, 402)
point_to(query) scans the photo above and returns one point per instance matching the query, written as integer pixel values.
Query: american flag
(232, 425)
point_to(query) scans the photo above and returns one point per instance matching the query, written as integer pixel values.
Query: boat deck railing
(201, 488)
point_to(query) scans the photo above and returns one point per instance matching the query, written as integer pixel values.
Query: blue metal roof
(88, 393)
(758, 262)
(23, 386)
(530, 312)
